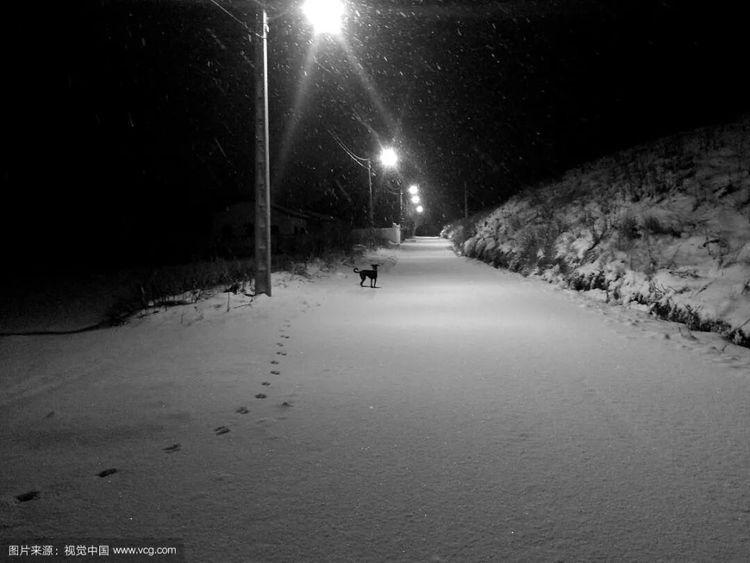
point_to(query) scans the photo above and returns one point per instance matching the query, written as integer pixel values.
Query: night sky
(131, 122)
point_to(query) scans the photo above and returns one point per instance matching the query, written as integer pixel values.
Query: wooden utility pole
(466, 202)
(262, 168)
(370, 212)
(400, 203)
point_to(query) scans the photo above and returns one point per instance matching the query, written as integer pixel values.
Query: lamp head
(388, 157)
(324, 15)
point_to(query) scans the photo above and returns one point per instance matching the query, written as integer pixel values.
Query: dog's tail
(356, 270)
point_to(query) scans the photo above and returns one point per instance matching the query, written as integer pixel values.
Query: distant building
(292, 230)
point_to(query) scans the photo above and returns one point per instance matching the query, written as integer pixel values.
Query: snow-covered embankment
(664, 227)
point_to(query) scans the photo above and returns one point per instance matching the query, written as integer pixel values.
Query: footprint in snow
(687, 335)
(107, 472)
(26, 497)
(284, 336)
(281, 353)
(275, 362)
(219, 430)
(173, 448)
(275, 372)
(266, 383)
(260, 396)
(242, 410)
(280, 344)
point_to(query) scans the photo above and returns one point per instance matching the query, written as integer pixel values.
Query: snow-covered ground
(663, 226)
(456, 412)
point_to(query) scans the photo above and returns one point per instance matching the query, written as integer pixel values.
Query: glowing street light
(420, 209)
(388, 157)
(413, 190)
(415, 199)
(324, 15)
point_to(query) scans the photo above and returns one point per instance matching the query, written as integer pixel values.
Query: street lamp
(420, 209)
(388, 157)
(415, 199)
(326, 16)
(413, 189)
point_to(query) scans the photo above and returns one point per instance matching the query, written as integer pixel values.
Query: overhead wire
(259, 4)
(360, 160)
(231, 15)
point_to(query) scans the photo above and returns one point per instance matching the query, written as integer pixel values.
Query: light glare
(413, 190)
(415, 199)
(420, 209)
(388, 157)
(324, 15)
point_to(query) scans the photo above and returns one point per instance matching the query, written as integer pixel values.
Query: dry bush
(166, 286)
(627, 231)
(653, 225)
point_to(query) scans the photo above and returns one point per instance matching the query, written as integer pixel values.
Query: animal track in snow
(219, 430)
(173, 448)
(260, 396)
(275, 372)
(281, 353)
(107, 472)
(242, 410)
(274, 362)
(25, 497)
(266, 383)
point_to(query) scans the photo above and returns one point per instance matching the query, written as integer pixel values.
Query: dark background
(130, 122)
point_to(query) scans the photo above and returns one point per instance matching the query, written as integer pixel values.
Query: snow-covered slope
(664, 226)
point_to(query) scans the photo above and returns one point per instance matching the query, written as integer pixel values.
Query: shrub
(459, 234)
(627, 229)
(653, 225)
(178, 284)
(515, 223)
(528, 250)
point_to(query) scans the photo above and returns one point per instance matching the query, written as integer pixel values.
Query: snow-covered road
(456, 412)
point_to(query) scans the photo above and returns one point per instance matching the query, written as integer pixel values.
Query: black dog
(364, 274)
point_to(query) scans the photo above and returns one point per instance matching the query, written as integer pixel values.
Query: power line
(358, 159)
(260, 5)
(231, 15)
